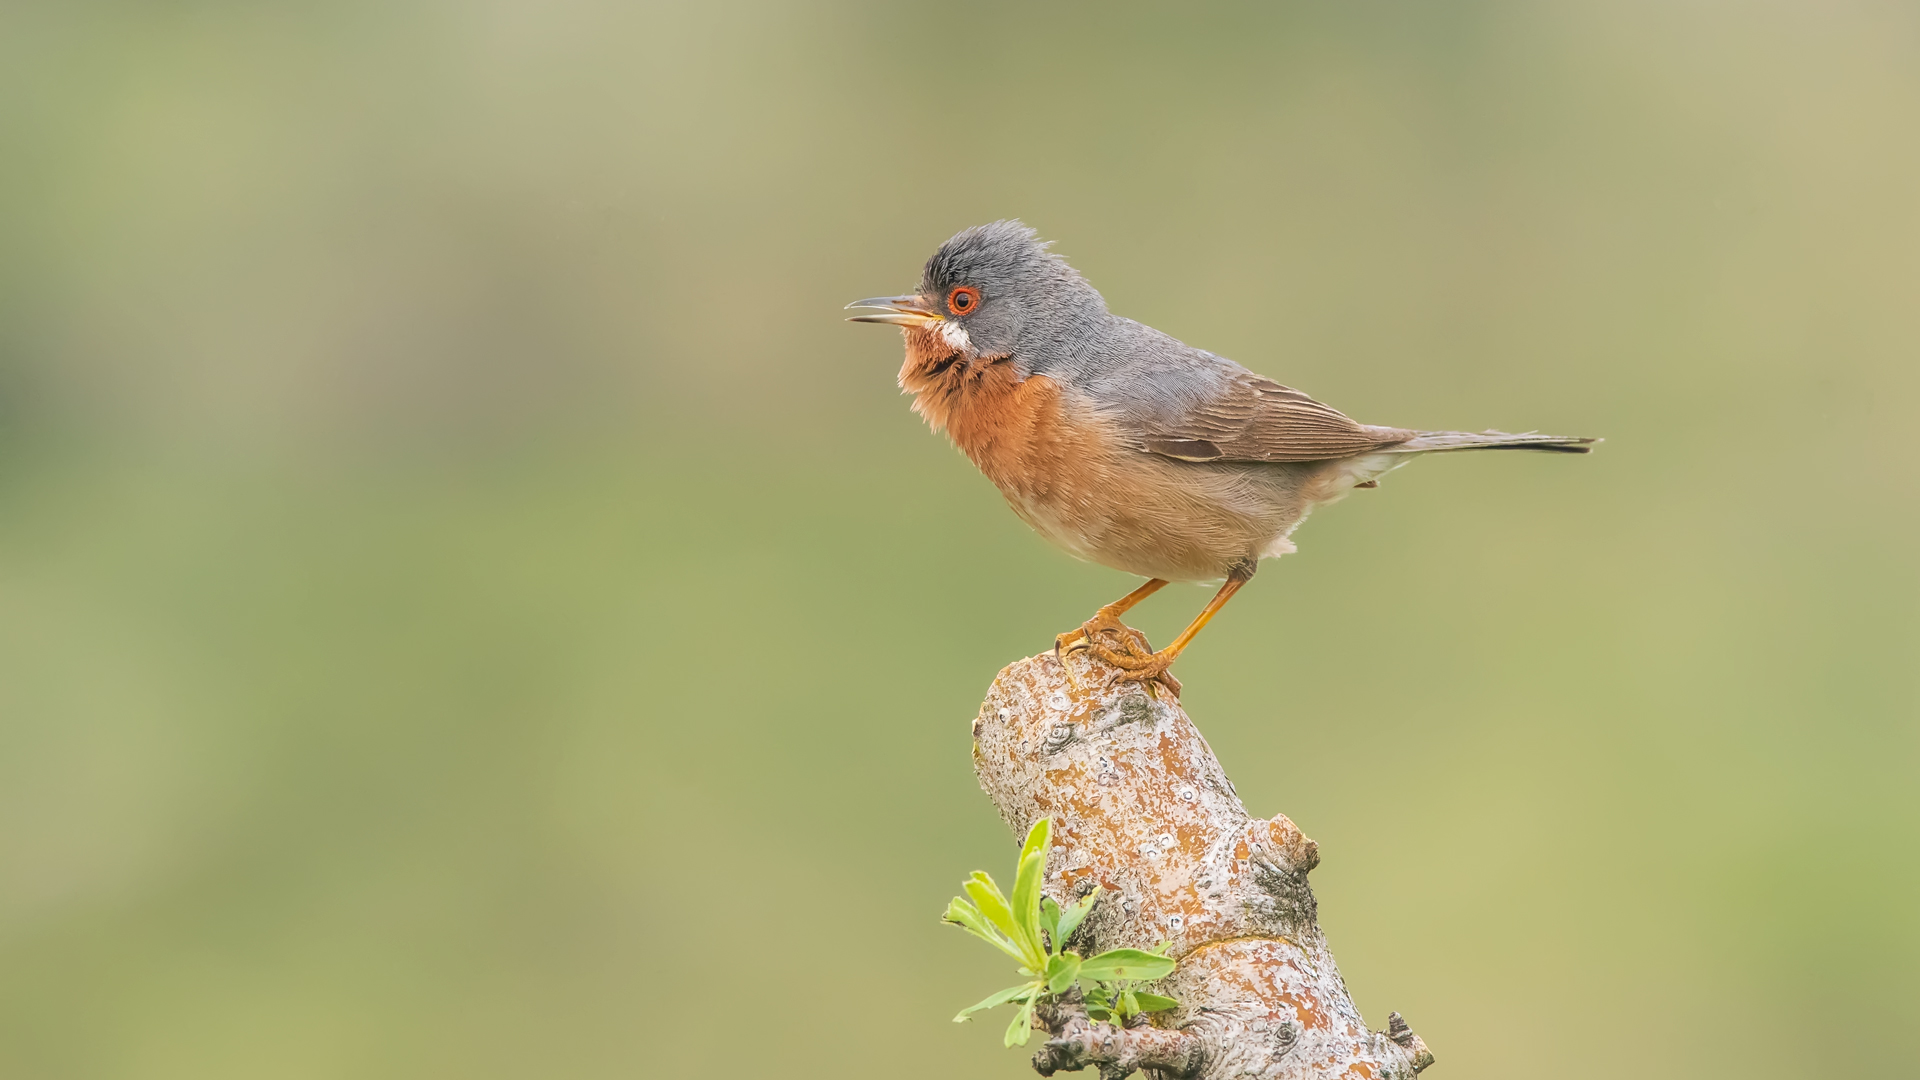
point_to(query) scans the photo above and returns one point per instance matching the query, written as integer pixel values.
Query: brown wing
(1253, 418)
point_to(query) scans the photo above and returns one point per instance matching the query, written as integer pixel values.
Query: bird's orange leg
(1153, 667)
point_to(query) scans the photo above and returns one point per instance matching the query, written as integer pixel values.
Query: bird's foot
(1108, 639)
(1147, 670)
(1106, 630)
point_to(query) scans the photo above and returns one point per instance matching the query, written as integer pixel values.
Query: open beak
(898, 310)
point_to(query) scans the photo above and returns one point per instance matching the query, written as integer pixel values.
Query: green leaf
(1026, 907)
(1061, 971)
(965, 915)
(1037, 838)
(1116, 964)
(962, 914)
(1071, 918)
(992, 902)
(1154, 1002)
(1128, 1004)
(1011, 993)
(1022, 1026)
(1050, 922)
(1026, 888)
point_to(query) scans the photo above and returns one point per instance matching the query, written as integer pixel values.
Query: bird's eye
(962, 299)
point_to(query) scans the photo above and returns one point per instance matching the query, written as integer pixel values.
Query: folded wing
(1250, 417)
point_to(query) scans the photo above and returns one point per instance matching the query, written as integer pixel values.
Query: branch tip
(1401, 1033)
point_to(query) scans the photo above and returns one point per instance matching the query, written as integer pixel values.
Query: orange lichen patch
(1265, 971)
(1306, 1007)
(1284, 832)
(1293, 842)
(1285, 840)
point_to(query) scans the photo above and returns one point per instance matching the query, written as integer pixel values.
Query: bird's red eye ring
(963, 299)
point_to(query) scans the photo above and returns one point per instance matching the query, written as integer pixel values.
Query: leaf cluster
(1033, 930)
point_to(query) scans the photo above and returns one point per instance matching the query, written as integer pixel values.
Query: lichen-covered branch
(1141, 807)
(1080, 1043)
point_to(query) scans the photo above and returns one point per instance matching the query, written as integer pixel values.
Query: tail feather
(1435, 441)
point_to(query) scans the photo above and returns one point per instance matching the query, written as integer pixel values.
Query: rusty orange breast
(1057, 461)
(1017, 431)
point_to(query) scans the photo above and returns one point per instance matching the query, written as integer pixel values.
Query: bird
(1123, 445)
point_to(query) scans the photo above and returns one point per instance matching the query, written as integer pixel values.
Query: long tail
(1434, 441)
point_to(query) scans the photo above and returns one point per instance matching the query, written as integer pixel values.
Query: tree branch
(1080, 1043)
(1141, 807)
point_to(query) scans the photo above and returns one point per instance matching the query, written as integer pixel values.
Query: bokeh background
(470, 608)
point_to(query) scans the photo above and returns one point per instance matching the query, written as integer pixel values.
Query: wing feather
(1253, 418)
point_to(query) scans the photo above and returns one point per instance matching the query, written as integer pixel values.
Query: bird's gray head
(993, 291)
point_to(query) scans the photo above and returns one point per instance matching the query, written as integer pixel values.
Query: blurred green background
(470, 608)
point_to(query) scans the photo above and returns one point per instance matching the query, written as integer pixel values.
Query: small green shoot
(1033, 930)
(1120, 1002)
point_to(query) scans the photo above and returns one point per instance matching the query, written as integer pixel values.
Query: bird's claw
(1148, 669)
(1105, 626)
(1134, 655)
(1061, 647)
(1152, 674)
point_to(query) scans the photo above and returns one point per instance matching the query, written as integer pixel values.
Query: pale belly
(1169, 519)
(1185, 521)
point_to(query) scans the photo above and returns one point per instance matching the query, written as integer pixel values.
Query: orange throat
(935, 373)
(1010, 427)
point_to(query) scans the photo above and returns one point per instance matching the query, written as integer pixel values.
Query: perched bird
(1119, 443)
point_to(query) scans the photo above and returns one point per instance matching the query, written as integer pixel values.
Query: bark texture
(1141, 807)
